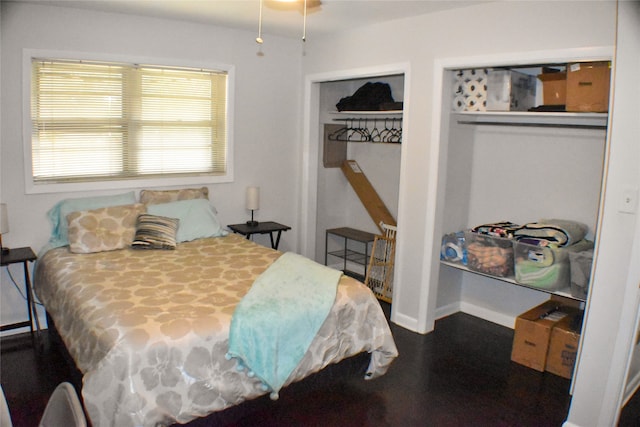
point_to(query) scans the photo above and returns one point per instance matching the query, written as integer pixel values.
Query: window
(99, 121)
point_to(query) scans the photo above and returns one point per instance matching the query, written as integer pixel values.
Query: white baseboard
(447, 310)
(492, 316)
(476, 311)
(404, 321)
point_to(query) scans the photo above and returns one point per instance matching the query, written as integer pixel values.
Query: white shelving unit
(513, 166)
(564, 293)
(368, 113)
(384, 126)
(526, 118)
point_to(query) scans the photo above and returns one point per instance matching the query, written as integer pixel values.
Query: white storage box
(509, 90)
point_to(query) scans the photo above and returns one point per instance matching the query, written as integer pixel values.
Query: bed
(149, 329)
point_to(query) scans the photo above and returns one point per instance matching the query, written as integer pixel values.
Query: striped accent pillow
(155, 232)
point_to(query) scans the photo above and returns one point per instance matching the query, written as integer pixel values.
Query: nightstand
(269, 227)
(17, 256)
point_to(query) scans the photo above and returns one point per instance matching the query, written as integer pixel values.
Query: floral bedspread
(149, 328)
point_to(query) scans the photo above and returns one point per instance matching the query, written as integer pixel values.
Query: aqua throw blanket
(273, 325)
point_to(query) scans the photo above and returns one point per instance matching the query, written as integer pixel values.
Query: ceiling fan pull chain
(259, 38)
(304, 23)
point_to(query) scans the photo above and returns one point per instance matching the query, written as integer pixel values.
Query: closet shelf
(511, 280)
(560, 119)
(368, 113)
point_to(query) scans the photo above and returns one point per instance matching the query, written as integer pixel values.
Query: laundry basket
(379, 276)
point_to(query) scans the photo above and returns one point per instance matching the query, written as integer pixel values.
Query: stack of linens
(542, 252)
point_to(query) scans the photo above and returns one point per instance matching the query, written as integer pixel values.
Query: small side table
(269, 227)
(17, 256)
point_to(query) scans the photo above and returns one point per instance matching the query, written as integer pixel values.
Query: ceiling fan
(288, 5)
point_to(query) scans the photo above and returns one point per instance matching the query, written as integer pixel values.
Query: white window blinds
(106, 121)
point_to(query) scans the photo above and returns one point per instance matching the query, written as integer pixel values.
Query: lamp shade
(253, 198)
(4, 219)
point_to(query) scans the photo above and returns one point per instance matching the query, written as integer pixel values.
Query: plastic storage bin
(542, 267)
(454, 248)
(580, 263)
(489, 254)
(509, 90)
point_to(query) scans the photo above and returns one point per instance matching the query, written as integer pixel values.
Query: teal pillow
(197, 218)
(58, 214)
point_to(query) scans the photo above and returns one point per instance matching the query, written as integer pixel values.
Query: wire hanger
(357, 130)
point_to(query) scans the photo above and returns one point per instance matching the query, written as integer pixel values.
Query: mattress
(149, 329)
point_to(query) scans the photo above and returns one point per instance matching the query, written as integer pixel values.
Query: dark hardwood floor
(459, 375)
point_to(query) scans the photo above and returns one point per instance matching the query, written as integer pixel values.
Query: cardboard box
(588, 86)
(509, 90)
(554, 88)
(533, 333)
(563, 345)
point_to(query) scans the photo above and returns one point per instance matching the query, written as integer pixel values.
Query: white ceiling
(285, 19)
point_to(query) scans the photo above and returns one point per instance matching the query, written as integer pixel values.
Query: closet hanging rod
(366, 119)
(357, 130)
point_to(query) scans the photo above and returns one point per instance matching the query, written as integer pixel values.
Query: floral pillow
(103, 229)
(154, 197)
(58, 214)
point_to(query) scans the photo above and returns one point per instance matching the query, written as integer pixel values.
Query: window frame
(38, 188)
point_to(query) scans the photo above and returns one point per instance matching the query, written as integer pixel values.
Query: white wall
(267, 92)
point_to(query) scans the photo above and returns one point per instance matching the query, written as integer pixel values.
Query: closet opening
(515, 169)
(357, 162)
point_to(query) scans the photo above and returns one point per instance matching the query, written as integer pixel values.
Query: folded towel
(558, 232)
(546, 267)
(551, 277)
(535, 256)
(273, 325)
(499, 229)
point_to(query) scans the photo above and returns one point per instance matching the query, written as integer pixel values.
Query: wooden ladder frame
(379, 276)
